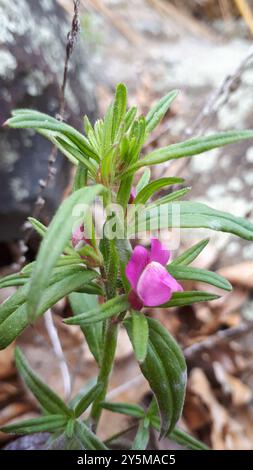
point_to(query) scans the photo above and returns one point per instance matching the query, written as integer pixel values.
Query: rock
(32, 57)
(31, 442)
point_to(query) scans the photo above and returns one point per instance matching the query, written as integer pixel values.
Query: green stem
(110, 342)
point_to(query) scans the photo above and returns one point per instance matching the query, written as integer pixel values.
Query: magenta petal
(156, 285)
(159, 252)
(77, 235)
(138, 261)
(171, 282)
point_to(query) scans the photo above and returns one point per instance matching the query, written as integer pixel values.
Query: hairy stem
(110, 342)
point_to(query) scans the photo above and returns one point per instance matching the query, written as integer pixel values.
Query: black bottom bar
(111, 459)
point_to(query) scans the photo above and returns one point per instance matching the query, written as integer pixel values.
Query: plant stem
(110, 342)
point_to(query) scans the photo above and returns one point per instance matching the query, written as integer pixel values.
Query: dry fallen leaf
(6, 362)
(226, 432)
(240, 274)
(240, 393)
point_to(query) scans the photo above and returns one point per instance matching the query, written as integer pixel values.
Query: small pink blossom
(132, 195)
(78, 239)
(150, 281)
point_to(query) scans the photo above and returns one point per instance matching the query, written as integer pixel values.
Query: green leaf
(156, 185)
(191, 147)
(185, 439)
(165, 370)
(128, 409)
(195, 274)
(93, 333)
(49, 423)
(80, 177)
(87, 399)
(170, 197)
(179, 299)
(158, 111)
(191, 215)
(38, 226)
(139, 335)
(13, 313)
(75, 155)
(129, 118)
(12, 303)
(58, 234)
(50, 402)
(180, 436)
(89, 440)
(102, 312)
(143, 181)
(119, 109)
(191, 254)
(51, 128)
(17, 279)
(142, 436)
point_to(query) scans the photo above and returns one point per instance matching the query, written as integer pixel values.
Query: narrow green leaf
(119, 109)
(165, 370)
(191, 215)
(142, 436)
(174, 196)
(154, 186)
(80, 177)
(181, 437)
(51, 127)
(129, 118)
(17, 279)
(143, 181)
(191, 254)
(158, 111)
(201, 275)
(179, 299)
(93, 333)
(13, 313)
(13, 303)
(89, 440)
(50, 402)
(191, 147)
(38, 226)
(49, 423)
(75, 155)
(87, 399)
(102, 312)
(128, 409)
(58, 234)
(139, 335)
(185, 439)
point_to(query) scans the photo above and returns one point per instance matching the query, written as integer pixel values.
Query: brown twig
(215, 340)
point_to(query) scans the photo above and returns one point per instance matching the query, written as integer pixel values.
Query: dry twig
(54, 338)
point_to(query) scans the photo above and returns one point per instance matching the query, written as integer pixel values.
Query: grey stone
(33, 37)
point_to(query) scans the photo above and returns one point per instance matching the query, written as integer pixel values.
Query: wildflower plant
(108, 283)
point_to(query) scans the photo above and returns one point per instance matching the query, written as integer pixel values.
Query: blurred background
(203, 48)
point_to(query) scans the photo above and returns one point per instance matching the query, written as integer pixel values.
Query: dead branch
(215, 340)
(55, 340)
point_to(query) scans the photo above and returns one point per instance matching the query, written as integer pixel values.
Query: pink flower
(78, 239)
(132, 195)
(151, 283)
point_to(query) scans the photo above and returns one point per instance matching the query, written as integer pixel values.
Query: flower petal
(77, 235)
(156, 285)
(159, 252)
(138, 261)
